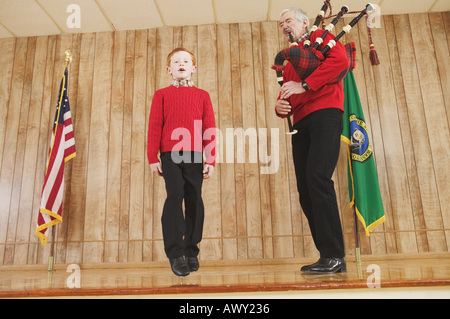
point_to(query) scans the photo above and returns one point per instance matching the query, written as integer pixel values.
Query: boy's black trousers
(183, 174)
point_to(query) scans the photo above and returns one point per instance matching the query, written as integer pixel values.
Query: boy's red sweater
(321, 95)
(181, 119)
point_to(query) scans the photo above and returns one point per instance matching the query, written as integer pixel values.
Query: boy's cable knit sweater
(181, 118)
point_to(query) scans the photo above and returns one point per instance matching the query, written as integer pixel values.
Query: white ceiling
(22, 18)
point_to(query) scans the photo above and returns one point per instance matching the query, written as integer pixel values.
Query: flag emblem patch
(360, 146)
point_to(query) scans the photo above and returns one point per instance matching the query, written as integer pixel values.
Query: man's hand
(290, 88)
(156, 167)
(283, 107)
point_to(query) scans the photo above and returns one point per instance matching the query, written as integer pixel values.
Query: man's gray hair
(299, 14)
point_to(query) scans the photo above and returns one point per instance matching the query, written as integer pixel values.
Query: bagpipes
(307, 59)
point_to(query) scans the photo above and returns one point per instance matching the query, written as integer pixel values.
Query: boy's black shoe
(179, 266)
(192, 263)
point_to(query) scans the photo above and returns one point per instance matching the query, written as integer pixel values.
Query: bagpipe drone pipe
(307, 59)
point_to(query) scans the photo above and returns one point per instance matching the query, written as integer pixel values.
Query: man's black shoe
(326, 265)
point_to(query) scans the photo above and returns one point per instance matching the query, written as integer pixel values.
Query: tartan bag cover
(306, 61)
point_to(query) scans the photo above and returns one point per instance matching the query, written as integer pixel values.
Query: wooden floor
(237, 278)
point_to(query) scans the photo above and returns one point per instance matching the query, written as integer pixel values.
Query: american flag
(62, 149)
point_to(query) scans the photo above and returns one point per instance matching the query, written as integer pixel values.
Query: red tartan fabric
(322, 94)
(306, 61)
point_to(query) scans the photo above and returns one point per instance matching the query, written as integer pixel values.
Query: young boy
(179, 116)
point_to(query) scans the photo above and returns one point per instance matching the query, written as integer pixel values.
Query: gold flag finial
(68, 58)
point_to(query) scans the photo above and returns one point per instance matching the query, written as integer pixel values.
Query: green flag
(364, 190)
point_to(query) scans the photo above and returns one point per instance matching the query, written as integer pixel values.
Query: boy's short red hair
(169, 57)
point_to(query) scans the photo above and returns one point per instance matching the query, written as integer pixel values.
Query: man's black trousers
(315, 150)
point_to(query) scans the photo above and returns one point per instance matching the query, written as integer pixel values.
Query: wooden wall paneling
(434, 107)
(126, 148)
(410, 163)
(423, 189)
(446, 18)
(20, 151)
(43, 142)
(8, 60)
(74, 68)
(251, 167)
(446, 22)
(395, 159)
(138, 150)
(112, 225)
(63, 43)
(164, 44)
(442, 51)
(440, 28)
(25, 204)
(372, 116)
(239, 177)
(148, 184)
(190, 41)
(224, 121)
(207, 80)
(269, 48)
(263, 135)
(73, 43)
(81, 125)
(177, 36)
(94, 232)
(279, 188)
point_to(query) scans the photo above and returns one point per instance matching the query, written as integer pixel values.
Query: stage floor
(278, 278)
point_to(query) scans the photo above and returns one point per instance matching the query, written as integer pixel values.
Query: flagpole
(50, 268)
(357, 247)
(52, 250)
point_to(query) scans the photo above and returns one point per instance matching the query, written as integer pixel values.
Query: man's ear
(194, 68)
(169, 70)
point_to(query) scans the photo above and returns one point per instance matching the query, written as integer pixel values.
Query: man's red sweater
(320, 95)
(181, 119)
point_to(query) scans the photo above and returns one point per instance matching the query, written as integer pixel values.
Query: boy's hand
(156, 167)
(207, 171)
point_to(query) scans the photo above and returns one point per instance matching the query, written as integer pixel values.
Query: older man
(317, 109)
